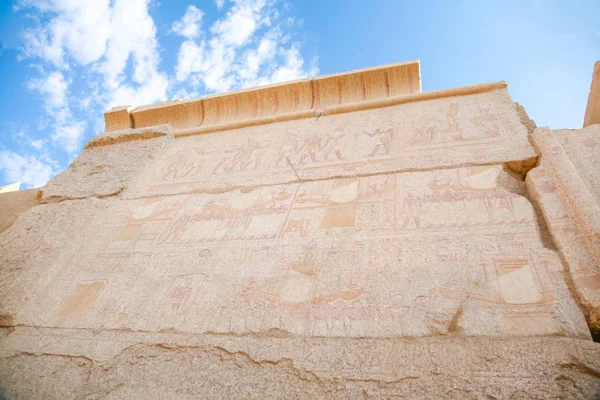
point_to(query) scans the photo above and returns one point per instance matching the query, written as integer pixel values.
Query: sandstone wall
(338, 237)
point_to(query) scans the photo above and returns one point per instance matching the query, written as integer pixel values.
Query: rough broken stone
(108, 162)
(115, 364)
(340, 237)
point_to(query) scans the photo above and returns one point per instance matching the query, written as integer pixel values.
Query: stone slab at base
(75, 364)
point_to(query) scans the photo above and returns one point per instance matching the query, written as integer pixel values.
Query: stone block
(368, 84)
(118, 118)
(179, 114)
(566, 188)
(246, 105)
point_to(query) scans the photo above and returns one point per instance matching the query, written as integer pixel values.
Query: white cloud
(241, 22)
(190, 59)
(220, 4)
(247, 47)
(189, 25)
(293, 68)
(37, 143)
(68, 132)
(29, 169)
(79, 29)
(133, 38)
(54, 87)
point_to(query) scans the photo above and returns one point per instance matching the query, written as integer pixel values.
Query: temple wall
(337, 237)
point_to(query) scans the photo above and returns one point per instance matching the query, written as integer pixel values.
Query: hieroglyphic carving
(465, 197)
(361, 256)
(187, 163)
(444, 131)
(243, 157)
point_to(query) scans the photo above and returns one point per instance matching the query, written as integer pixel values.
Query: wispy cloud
(32, 170)
(249, 46)
(68, 132)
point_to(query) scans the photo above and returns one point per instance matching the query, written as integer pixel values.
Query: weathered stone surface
(592, 112)
(13, 204)
(64, 364)
(338, 237)
(567, 189)
(108, 163)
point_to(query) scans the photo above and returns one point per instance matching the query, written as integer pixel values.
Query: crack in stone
(249, 188)
(581, 367)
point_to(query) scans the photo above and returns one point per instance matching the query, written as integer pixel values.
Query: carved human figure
(384, 137)
(310, 147)
(288, 150)
(186, 163)
(243, 157)
(411, 209)
(452, 130)
(332, 145)
(179, 296)
(486, 121)
(174, 233)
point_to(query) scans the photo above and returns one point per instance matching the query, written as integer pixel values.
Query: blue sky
(64, 62)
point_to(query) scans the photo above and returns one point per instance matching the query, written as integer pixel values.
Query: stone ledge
(343, 108)
(410, 98)
(303, 97)
(127, 135)
(86, 364)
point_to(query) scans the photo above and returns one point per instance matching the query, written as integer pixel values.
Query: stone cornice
(290, 100)
(331, 94)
